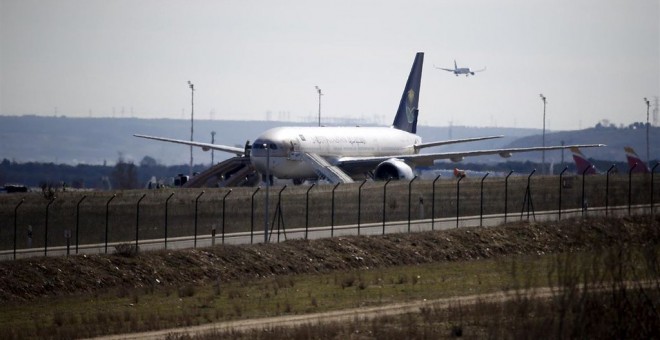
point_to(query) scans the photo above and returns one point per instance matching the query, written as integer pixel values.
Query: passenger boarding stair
(324, 170)
(234, 172)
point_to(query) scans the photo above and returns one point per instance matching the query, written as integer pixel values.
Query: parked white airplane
(460, 70)
(341, 153)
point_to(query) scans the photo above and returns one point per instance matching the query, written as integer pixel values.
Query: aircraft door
(294, 150)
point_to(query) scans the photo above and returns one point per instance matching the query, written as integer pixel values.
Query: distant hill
(63, 140)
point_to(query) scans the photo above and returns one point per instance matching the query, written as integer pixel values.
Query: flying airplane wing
(444, 69)
(362, 164)
(481, 70)
(205, 146)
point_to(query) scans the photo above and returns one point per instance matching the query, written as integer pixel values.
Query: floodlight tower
(648, 105)
(192, 113)
(320, 94)
(543, 98)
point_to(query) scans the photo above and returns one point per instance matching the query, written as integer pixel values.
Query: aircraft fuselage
(286, 145)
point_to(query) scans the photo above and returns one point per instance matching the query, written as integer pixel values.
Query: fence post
(252, 215)
(584, 202)
(166, 201)
(107, 213)
(137, 222)
(384, 198)
(332, 212)
(528, 198)
(630, 186)
(46, 228)
(561, 185)
(481, 202)
(652, 175)
(78, 220)
(433, 203)
(506, 194)
(458, 191)
(16, 219)
(409, 199)
(607, 189)
(307, 209)
(359, 204)
(196, 204)
(279, 215)
(223, 215)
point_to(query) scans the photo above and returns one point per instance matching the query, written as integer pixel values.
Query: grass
(129, 310)
(124, 310)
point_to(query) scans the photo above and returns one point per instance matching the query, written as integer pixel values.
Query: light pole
(212, 142)
(320, 94)
(648, 156)
(192, 113)
(543, 152)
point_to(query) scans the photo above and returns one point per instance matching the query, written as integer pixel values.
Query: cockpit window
(260, 146)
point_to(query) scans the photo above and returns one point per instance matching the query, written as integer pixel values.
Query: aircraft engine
(456, 159)
(505, 154)
(393, 168)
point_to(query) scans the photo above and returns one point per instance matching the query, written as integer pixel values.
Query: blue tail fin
(406, 115)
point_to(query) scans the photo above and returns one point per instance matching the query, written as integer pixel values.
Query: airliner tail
(406, 115)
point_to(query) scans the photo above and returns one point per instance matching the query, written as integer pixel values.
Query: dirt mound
(33, 278)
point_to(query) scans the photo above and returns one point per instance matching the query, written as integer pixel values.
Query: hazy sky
(593, 59)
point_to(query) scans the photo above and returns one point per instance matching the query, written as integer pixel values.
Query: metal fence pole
(279, 215)
(78, 220)
(506, 194)
(15, 223)
(195, 231)
(458, 192)
(607, 189)
(360, 204)
(433, 203)
(252, 215)
(46, 228)
(166, 204)
(481, 201)
(652, 175)
(561, 185)
(137, 222)
(584, 202)
(384, 199)
(630, 186)
(107, 214)
(223, 215)
(307, 209)
(409, 199)
(332, 212)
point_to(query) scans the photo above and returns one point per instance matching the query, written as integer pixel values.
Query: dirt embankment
(38, 277)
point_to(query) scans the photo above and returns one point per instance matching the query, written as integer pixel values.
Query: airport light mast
(648, 154)
(192, 113)
(543, 152)
(320, 94)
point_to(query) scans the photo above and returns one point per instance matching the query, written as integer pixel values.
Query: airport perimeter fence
(97, 222)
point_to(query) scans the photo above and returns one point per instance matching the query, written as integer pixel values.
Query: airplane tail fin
(406, 115)
(633, 159)
(582, 163)
(455, 65)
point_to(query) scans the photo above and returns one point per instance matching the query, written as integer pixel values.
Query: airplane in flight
(342, 154)
(633, 158)
(460, 70)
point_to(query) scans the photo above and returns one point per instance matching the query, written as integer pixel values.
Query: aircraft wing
(204, 146)
(363, 164)
(445, 69)
(481, 70)
(452, 141)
